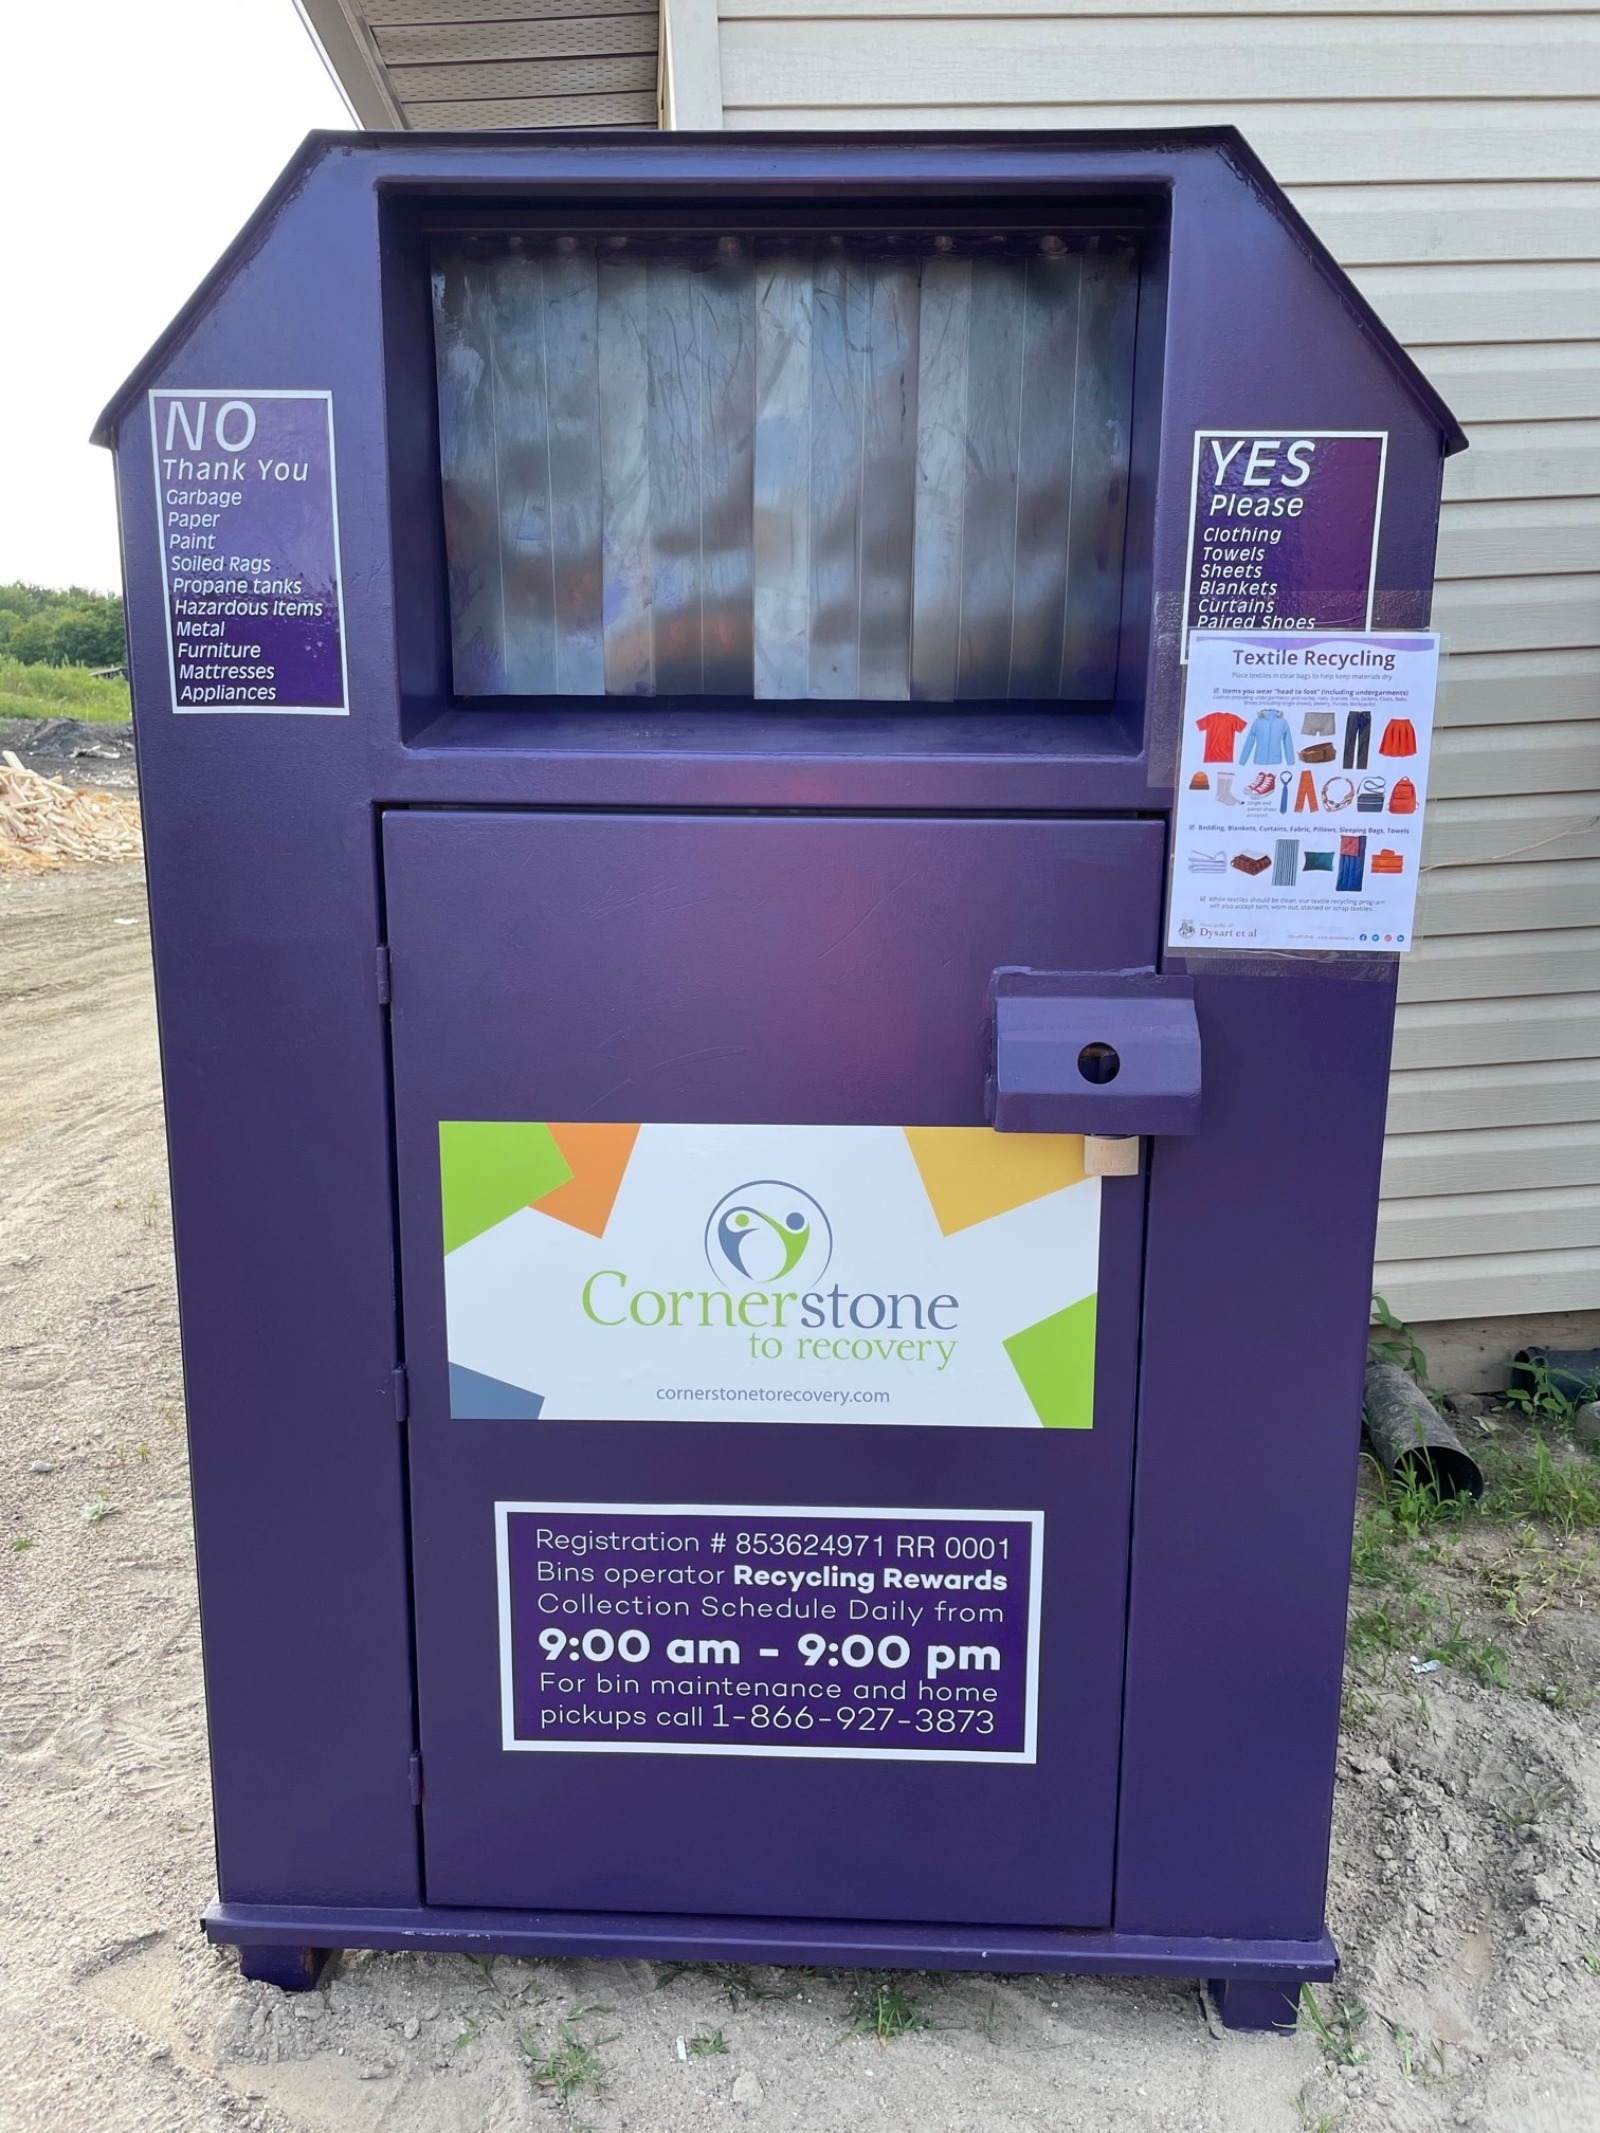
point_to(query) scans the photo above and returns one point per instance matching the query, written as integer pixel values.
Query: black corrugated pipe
(1411, 1437)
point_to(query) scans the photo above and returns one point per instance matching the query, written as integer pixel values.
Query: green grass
(60, 692)
(1527, 1482)
(1336, 2030)
(572, 2068)
(881, 2007)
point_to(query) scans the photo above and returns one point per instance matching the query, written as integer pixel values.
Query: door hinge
(385, 975)
(402, 1394)
(416, 1777)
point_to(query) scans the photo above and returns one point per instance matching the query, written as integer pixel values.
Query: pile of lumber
(45, 822)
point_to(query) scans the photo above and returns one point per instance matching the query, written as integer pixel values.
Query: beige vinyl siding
(1449, 154)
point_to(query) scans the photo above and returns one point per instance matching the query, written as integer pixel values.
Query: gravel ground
(1464, 1887)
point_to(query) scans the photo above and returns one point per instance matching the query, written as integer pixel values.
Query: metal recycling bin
(769, 1376)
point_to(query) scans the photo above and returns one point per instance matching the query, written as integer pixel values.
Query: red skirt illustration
(1399, 738)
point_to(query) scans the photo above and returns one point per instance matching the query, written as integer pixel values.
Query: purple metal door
(747, 969)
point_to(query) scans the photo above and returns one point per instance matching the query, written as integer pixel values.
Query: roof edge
(343, 42)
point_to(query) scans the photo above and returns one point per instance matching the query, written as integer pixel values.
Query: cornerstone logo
(766, 1230)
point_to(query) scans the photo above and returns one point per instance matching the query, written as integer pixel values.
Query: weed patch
(1531, 1482)
(1394, 1342)
(572, 2067)
(884, 2008)
(1336, 2030)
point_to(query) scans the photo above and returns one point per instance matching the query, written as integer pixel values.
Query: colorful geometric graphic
(971, 1175)
(920, 1275)
(476, 1398)
(1055, 1361)
(597, 1157)
(488, 1169)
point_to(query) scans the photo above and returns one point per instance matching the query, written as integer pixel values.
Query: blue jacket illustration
(1268, 741)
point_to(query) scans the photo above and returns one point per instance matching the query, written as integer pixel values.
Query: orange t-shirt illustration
(1222, 730)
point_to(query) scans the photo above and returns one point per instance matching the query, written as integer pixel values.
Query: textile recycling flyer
(1301, 790)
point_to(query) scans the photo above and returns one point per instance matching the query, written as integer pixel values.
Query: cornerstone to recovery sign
(919, 1275)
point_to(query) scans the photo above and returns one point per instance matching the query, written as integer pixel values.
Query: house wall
(1449, 154)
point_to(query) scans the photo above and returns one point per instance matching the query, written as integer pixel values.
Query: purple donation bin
(768, 1376)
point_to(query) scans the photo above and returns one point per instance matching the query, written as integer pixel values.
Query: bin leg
(290, 1969)
(1255, 2003)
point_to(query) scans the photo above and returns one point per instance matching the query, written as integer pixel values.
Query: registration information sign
(737, 1629)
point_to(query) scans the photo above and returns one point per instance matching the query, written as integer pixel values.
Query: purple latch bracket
(1093, 1052)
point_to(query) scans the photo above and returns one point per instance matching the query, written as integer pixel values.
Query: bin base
(1255, 1983)
(291, 1969)
(1257, 2003)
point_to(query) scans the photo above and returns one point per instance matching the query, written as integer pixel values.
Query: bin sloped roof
(585, 154)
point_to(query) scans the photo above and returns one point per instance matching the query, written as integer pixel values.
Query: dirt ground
(1465, 1892)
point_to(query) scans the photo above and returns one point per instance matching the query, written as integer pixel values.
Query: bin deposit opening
(880, 468)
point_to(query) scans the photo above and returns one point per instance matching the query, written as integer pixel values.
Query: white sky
(138, 136)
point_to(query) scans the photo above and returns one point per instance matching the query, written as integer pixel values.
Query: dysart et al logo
(758, 1237)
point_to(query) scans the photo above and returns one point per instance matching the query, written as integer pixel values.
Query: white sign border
(1382, 436)
(239, 392)
(509, 1741)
